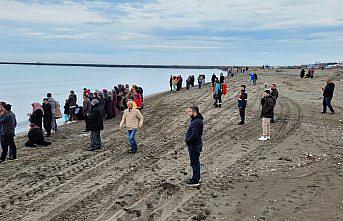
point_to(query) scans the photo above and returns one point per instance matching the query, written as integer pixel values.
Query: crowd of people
(99, 105)
(310, 73)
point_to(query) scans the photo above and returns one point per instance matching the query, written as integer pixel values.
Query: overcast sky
(208, 32)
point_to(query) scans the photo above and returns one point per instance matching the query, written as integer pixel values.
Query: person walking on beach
(275, 94)
(193, 139)
(242, 103)
(47, 117)
(54, 106)
(255, 78)
(328, 92)
(95, 125)
(133, 119)
(37, 114)
(252, 78)
(268, 104)
(8, 122)
(72, 106)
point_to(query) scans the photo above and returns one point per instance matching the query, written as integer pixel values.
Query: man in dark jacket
(275, 94)
(95, 124)
(47, 117)
(242, 104)
(268, 104)
(72, 101)
(302, 73)
(193, 140)
(213, 79)
(328, 94)
(8, 122)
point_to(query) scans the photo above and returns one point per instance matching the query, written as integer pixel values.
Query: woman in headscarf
(36, 116)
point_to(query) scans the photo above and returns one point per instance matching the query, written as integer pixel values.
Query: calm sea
(23, 85)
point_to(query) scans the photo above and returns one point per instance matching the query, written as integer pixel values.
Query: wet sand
(297, 175)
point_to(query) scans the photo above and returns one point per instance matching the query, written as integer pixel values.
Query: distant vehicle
(331, 66)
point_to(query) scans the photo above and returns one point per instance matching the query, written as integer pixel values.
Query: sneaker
(241, 123)
(2, 161)
(262, 138)
(191, 183)
(272, 121)
(332, 113)
(268, 137)
(323, 112)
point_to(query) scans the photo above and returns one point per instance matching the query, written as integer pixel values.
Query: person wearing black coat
(37, 115)
(327, 96)
(47, 117)
(268, 104)
(275, 94)
(193, 140)
(242, 104)
(95, 124)
(108, 106)
(213, 79)
(36, 137)
(302, 73)
(8, 124)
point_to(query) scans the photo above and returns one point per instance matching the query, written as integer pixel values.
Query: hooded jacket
(268, 104)
(329, 89)
(8, 122)
(274, 93)
(195, 130)
(95, 120)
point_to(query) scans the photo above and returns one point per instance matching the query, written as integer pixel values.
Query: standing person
(137, 98)
(2, 112)
(242, 103)
(133, 119)
(188, 83)
(327, 96)
(268, 104)
(174, 84)
(87, 108)
(200, 80)
(222, 78)
(171, 82)
(275, 94)
(72, 100)
(9, 123)
(252, 78)
(66, 112)
(213, 79)
(47, 117)
(108, 105)
(36, 116)
(95, 124)
(255, 78)
(302, 73)
(218, 94)
(54, 106)
(193, 140)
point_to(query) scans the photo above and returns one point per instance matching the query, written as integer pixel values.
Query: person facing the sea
(222, 78)
(275, 94)
(133, 119)
(8, 122)
(242, 103)
(37, 114)
(328, 92)
(218, 93)
(47, 117)
(95, 125)
(213, 79)
(268, 104)
(193, 139)
(36, 137)
(54, 106)
(72, 101)
(252, 78)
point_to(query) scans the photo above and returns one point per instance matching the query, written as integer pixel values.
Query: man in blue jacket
(193, 140)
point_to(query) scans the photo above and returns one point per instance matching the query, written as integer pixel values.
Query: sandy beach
(297, 175)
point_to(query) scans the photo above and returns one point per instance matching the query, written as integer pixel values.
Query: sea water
(23, 85)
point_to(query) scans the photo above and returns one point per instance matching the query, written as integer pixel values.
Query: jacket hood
(199, 116)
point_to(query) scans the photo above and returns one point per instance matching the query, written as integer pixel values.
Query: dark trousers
(242, 114)
(327, 103)
(218, 98)
(95, 140)
(7, 141)
(47, 125)
(194, 156)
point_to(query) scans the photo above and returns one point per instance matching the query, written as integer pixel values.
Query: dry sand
(297, 175)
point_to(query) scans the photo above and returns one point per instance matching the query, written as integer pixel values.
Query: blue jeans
(194, 156)
(327, 103)
(133, 143)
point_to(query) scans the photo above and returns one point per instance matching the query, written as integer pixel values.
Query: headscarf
(37, 106)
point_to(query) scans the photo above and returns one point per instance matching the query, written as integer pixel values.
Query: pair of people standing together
(132, 118)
